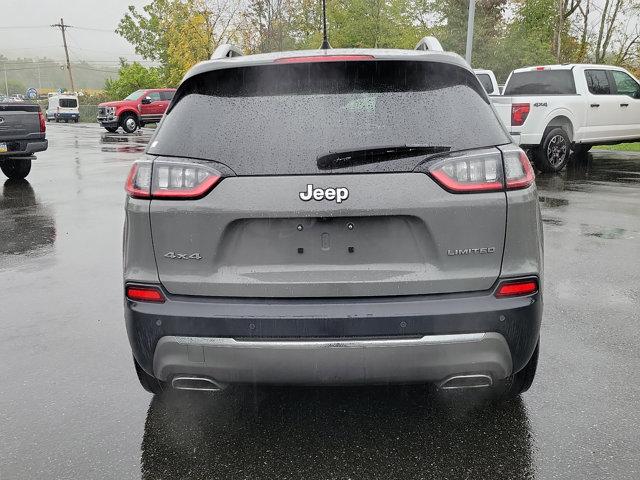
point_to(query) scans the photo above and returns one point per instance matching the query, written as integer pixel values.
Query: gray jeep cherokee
(333, 217)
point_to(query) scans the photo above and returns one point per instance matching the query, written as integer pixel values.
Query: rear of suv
(333, 217)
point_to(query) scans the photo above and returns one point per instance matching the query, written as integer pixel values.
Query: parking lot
(71, 406)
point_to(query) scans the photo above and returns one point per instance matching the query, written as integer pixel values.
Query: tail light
(519, 113)
(43, 123)
(484, 171)
(518, 172)
(144, 294)
(515, 288)
(481, 172)
(139, 180)
(170, 180)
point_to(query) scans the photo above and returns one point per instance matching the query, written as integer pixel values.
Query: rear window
(486, 82)
(541, 82)
(68, 103)
(277, 119)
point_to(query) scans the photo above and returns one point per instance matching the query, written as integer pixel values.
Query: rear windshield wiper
(363, 156)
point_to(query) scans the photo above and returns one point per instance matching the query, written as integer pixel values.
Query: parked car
(63, 107)
(138, 109)
(320, 217)
(553, 109)
(488, 80)
(22, 133)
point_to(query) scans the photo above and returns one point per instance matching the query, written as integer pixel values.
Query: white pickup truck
(550, 110)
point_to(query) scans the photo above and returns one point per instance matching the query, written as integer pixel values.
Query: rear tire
(111, 129)
(16, 168)
(129, 123)
(553, 154)
(149, 383)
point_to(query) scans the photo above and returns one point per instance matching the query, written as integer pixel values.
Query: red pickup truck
(138, 109)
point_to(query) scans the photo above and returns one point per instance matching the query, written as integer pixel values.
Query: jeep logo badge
(339, 194)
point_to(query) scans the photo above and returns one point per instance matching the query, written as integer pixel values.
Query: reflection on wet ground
(604, 176)
(122, 142)
(25, 225)
(71, 406)
(372, 433)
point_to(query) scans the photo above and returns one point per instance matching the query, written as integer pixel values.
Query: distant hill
(45, 73)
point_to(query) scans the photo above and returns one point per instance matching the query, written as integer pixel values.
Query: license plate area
(325, 241)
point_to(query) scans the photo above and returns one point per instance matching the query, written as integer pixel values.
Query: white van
(63, 107)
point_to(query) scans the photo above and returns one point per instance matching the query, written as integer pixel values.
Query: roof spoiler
(430, 44)
(226, 50)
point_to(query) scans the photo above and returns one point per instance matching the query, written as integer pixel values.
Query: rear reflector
(517, 288)
(324, 58)
(479, 172)
(145, 294)
(519, 113)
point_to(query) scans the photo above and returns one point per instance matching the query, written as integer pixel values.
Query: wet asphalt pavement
(71, 406)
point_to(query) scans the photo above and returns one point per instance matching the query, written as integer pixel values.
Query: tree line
(508, 33)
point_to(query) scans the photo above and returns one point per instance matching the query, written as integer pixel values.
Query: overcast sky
(98, 45)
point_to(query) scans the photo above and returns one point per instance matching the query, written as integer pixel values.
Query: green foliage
(508, 33)
(132, 77)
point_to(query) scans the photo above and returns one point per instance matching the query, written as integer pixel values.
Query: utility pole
(559, 25)
(63, 27)
(6, 85)
(470, 20)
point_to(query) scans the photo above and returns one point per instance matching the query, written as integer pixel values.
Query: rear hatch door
(285, 222)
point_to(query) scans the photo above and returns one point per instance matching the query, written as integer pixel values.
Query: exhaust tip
(459, 382)
(202, 384)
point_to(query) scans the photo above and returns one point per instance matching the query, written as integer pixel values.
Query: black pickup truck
(22, 133)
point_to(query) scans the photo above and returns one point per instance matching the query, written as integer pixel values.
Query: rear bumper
(23, 148)
(315, 341)
(65, 116)
(344, 361)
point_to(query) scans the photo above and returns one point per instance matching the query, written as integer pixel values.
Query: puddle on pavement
(599, 167)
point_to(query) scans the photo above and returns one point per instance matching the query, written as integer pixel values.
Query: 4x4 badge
(183, 256)
(339, 194)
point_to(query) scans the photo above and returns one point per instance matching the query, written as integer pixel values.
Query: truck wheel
(129, 123)
(553, 154)
(149, 383)
(16, 168)
(111, 129)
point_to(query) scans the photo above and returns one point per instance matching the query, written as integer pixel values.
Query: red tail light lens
(518, 172)
(139, 180)
(517, 288)
(43, 123)
(145, 294)
(324, 58)
(479, 172)
(519, 113)
(182, 180)
(170, 180)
